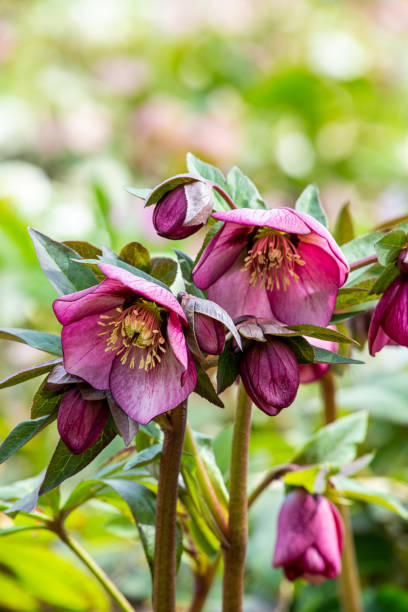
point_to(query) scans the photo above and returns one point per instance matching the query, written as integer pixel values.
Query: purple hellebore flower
(184, 210)
(389, 323)
(310, 537)
(126, 335)
(209, 332)
(279, 263)
(311, 372)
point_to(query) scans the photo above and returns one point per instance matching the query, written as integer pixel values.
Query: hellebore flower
(311, 372)
(183, 210)
(126, 335)
(83, 411)
(310, 537)
(389, 324)
(279, 263)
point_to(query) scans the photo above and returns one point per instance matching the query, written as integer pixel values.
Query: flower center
(272, 259)
(136, 327)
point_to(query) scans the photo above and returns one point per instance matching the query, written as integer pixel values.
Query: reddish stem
(364, 261)
(225, 195)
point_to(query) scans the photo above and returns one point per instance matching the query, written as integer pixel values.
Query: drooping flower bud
(389, 323)
(210, 334)
(184, 210)
(310, 537)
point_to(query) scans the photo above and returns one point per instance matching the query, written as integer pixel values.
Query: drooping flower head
(125, 335)
(310, 537)
(389, 323)
(278, 263)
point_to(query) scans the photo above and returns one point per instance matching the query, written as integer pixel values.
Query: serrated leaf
(335, 443)
(42, 341)
(145, 456)
(344, 228)
(202, 169)
(57, 262)
(355, 490)
(28, 373)
(23, 433)
(388, 248)
(205, 389)
(324, 333)
(186, 266)
(325, 356)
(228, 368)
(308, 202)
(164, 269)
(243, 191)
(136, 255)
(389, 275)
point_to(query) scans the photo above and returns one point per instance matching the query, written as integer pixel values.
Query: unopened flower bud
(209, 333)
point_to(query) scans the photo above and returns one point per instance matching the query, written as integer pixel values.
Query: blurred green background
(98, 94)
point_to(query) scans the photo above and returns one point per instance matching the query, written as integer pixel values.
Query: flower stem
(225, 195)
(361, 263)
(164, 577)
(350, 592)
(275, 474)
(202, 585)
(235, 553)
(97, 571)
(204, 483)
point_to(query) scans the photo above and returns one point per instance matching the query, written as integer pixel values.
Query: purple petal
(210, 334)
(108, 294)
(282, 219)
(177, 341)
(377, 337)
(59, 377)
(145, 394)
(312, 298)
(149, 290)
(270, 374)
(80, 422)
(220, 254)
(327, 537)
(169, 215)
(395, 319)
(127, 427)
(85, 352)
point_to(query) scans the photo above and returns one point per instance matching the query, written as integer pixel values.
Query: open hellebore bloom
(183, 210)
(126, 335)
(389, 324)
(278, 263)
(310, 537)
(83, 411)
(311, 372)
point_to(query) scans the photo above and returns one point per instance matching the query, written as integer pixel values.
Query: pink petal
(85, 352)
(395, 319)
(75, 306)
(80, 422)
(177, 341)
(149, 290)
(377, 337)
(144, 395)
(210, 334)
(282, 219)
(220, 254)
(312, 298)
(327, 537)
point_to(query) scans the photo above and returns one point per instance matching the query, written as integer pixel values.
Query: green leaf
(28, 373)
(164, 269)
(335, 443)
(382, 283)
(315, 331)
(353, 489)
(243, 191)
(19, 528)
(352, 296)
(325, 356)
(389, 247)
(205, 447)
(205, 389)
(305, 478)
(303, 350)
(203, 170)
(37, 339)
(145, 456)
(64, 464)
(344, 228)
(56, 259)
(87, 251)
(22, 433)
(136, 255)
(228, 368)
(139, 192)
(309, 202)
(186, 266)
(45, 402)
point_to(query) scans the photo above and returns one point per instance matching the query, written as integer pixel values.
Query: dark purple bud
(81, 421)
(270, 374)
(184, 210)
(389, 323)
(403, 262)
(209, 333)
(310, 537)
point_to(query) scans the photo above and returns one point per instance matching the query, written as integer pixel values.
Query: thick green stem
(350, 592)
(235, 553)
(164, 581)
(97, 571)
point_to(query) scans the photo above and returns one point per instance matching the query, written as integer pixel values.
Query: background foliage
(97, 94)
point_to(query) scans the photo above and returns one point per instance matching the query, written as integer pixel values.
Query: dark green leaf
(304, 351)
(199, 168)
(389, 275)
(37, 339)
(136, 255)
(243, 191)
(45, 402)
(186, 266)
(353, 489)
(164, 269)
(56, 259)
(388, 248)
(308, 202)
(335, 443)
(228, 368)
(325, 356)
(205, 389)
(28, 373)
(344, 228)
(87, 251)
(315, 331)
(22, 433)
(352, 296)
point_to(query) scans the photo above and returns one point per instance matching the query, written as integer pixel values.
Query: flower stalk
(164, 580)
(235, 553)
